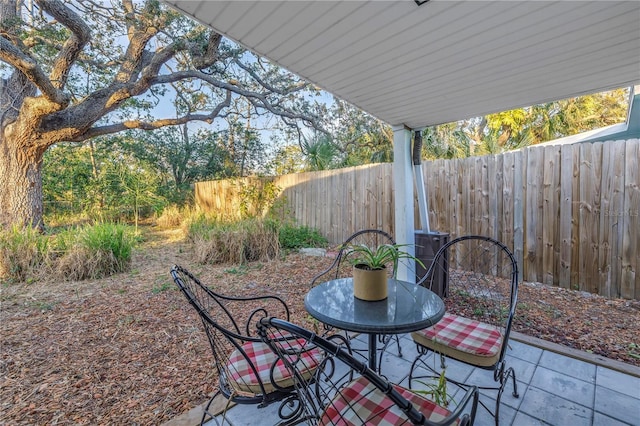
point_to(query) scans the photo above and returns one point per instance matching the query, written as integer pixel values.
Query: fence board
(550, 212)
(519, 182)
(533, 215)
(506, 209)
(630, 278)
(566, 216)
(590, 167)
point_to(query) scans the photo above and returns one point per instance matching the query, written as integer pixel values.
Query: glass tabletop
(409, 307)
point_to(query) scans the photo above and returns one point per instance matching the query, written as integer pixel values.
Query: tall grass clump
(232, 242)
(23, 253)
(94, 251)
(173, 216)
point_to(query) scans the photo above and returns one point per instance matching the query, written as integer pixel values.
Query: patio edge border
(598, 360)
(194, 415)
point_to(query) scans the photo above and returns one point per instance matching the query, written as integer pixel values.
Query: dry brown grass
(236, 245)
(81, 264)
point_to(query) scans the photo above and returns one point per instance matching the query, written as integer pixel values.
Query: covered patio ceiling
(442, 61)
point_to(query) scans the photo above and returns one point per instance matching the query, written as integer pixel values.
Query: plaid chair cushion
(243, 378)
(360, 403)
(463, 334)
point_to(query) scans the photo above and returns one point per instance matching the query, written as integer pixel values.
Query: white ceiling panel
(443, 61)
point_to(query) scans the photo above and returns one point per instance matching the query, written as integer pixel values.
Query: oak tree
(74, 70)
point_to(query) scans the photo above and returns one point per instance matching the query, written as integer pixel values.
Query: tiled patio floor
(554, 390)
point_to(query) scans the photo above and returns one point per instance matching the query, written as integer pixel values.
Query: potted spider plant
(370, 268)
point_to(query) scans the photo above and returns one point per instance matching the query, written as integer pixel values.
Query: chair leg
(207, 413)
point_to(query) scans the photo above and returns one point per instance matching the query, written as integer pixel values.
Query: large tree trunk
(20, 185)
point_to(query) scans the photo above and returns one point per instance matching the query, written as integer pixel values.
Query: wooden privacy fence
(571, 213)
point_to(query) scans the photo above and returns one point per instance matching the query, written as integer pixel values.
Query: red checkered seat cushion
(464, 339)
(361, 403)
(243, 377)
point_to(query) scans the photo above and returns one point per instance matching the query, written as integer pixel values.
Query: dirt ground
(128, 349)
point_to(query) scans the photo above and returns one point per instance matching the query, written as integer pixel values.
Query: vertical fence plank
(533, 215)
(508, 190)
(550, 213)
(519, 182)
(615, 222)
(608, 218)
(590, 169)
(566, 216)
(630, 278)
(482, 195)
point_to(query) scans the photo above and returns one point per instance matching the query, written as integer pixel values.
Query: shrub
(173, 216)
(232, 242)
(295, 237)
(94, 251)
(23, 251)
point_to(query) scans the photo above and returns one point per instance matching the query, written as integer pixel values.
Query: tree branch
(81, 34)
(156, 124)
(259, 100)
(29, 67)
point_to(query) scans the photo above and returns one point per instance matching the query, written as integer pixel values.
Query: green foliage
(380, 256)
(111, 238)
(22, 252)
(295, 237)
(320, 153)
(94, 251)
(514, 129)
(257, 197)
(436, 390)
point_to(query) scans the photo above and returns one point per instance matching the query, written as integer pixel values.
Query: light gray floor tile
(564, 386)
(484, 418)
(618, 382)
(524, 370)
(617, 405)
(553, 409)
(600, 419)
(569, 366)
(522, 419)
(524, 352)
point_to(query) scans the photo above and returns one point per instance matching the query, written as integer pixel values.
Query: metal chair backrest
(341, 268)
(230, 326)
(482, 281)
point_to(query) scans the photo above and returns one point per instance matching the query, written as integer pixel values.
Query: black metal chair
(344, 391)
(248, 371)
(342, 268)
(480, 299)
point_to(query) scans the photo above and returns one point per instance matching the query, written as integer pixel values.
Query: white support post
(404, 203)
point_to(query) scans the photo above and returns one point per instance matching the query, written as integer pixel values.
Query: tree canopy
(75, 70)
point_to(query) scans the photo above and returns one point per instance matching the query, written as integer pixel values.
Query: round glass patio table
(409, 307)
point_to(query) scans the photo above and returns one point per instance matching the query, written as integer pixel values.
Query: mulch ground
(129, 350)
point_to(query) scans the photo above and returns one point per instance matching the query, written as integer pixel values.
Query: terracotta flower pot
(369, 284)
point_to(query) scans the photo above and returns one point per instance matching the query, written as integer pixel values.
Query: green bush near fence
(294, 237)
